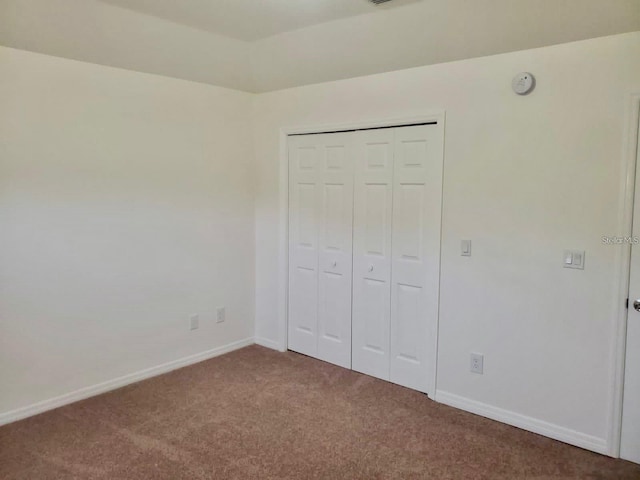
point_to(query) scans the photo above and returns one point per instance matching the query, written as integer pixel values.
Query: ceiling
(266, 45)
(252, 20)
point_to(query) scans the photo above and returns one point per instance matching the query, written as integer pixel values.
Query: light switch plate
(573, 259)
(465, 248)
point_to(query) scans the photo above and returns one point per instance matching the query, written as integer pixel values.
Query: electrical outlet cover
(477, 363)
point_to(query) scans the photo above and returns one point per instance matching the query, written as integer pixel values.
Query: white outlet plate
(477, 363)
(220, 314)
(194, 322)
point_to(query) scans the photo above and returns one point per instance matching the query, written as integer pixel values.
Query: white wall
(126, 204)
(525, 178)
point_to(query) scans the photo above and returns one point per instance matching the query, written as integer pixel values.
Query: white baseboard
(534, 425)
(265, 342)
(86, 392)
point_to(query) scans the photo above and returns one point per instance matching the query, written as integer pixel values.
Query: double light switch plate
(574, 259)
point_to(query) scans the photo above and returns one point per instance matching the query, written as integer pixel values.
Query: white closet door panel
(335, 249)
(417, 197)
(373, 199)
(305, 157)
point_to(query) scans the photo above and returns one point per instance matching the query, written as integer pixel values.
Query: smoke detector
(378, 2)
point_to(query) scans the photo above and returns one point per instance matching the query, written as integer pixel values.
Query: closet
(364, 250)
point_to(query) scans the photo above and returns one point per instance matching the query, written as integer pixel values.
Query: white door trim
(623, 260)
(437, 116)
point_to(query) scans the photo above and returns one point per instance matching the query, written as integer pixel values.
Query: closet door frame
(437, 117)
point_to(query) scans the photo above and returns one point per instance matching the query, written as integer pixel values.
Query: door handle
(636, 305)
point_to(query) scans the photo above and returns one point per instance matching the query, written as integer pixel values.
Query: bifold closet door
(415, 265)
(373, 203)
(396, 259)
(320, 246)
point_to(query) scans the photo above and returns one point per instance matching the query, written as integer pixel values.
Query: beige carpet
(260, 414)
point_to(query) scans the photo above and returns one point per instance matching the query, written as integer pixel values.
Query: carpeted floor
(260, 414)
